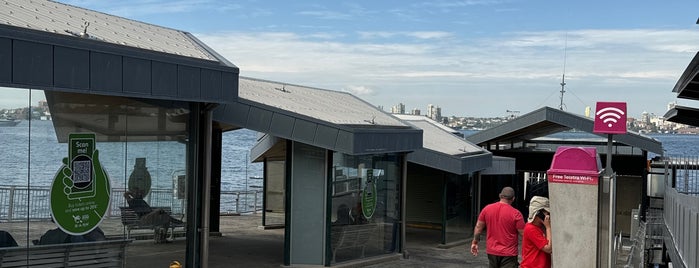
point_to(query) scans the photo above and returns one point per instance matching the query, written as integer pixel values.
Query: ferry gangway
(21, 203)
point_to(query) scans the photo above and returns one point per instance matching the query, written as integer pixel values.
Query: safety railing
(681, 211)
(19, 203)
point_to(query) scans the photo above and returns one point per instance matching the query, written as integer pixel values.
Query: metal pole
(206, 188)
(403, 203)
(611, 189)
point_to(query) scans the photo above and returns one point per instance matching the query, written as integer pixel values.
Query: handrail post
(237, 203)
(10, 210)
(255, 204)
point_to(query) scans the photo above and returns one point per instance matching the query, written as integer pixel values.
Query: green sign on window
(369, 195)
(80, 190)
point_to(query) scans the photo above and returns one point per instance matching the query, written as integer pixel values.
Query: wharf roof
(327, 119)
(58, 47)
(444, 150)
(546, 121)
(687, 87)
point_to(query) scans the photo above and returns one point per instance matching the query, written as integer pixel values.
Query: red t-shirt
(533, 241)
(502, 222)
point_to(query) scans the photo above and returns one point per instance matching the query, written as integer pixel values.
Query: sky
(479, 58)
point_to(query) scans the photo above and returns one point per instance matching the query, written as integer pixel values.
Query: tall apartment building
(398, 109)
(434, 112)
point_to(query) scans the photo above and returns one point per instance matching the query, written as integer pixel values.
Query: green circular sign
(369, 196)
(80, 193)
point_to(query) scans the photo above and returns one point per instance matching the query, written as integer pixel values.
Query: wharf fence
(21, 203)
(681, 210)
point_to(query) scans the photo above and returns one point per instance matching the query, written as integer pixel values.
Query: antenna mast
(563, 79)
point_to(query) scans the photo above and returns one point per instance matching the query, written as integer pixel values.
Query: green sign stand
(369, 195)
(80, 191)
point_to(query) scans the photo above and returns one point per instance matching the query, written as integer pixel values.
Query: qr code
(81, 171)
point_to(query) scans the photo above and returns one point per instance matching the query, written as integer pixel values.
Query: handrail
(681, 211)
(19, 203)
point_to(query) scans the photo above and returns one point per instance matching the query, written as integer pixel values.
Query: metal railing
(681, 211)
(18, 203)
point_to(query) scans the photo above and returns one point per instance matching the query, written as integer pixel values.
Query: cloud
(360, 91)
(459, 75)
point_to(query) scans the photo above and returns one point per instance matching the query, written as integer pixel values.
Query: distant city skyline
(477, 58)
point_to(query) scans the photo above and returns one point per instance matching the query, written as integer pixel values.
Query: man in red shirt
(504, 224)
(536, 247)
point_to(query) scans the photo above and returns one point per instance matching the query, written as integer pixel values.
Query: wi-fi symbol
(609, 115)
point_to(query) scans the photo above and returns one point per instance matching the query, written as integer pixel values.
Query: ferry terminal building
(137, 88)
(144, 88)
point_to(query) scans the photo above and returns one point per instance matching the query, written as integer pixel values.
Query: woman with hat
(536, 241)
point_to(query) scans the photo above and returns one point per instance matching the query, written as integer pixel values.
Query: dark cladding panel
(282, 125)
(326, 136)
(32, 63)
(188, 82)
(105, 72)
(211, 84)
(304, 131)
(71, 68)
(137, 76)
(164, 79)
(344, 142)
(229, 86)
(5, 60)
(259, 120)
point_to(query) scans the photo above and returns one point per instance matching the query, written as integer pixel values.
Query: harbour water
(18, 147)
(31, 160)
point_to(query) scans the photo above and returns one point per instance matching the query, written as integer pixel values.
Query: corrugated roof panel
(65, 19)
(436, 139)
(329, 106)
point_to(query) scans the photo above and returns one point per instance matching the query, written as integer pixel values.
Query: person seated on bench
(158, 218)
(343, 216)
(6, 240)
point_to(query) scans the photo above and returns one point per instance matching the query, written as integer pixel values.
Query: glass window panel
(133, 138)
(458, 204)
(365, 205)
(275, 193)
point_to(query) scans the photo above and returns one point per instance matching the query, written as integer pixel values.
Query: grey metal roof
(547, 120)
(328, 119)
(41, 47)
(445, 151)
(687, 87)
(683, 115)
(63, 19)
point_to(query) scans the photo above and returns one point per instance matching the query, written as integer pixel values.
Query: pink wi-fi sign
(610, 118)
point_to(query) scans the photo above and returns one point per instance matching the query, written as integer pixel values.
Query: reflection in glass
(127, 132)
(365, 204)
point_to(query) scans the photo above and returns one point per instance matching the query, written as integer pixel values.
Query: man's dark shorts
(502, 261)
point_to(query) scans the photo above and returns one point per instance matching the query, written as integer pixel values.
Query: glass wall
(458, 201)
(72, 161)
(275, 196)
(365, 206)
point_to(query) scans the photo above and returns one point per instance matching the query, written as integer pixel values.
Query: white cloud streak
(520, 65)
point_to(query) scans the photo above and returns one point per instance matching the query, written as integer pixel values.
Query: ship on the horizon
(4, 122)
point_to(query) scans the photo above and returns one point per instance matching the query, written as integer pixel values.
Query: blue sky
(471, 58)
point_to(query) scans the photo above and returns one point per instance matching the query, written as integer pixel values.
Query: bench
(131, 220)
(108, 253)
(351, 237)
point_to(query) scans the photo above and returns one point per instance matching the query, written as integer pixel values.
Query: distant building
(398, 109)
(434, 112)
(415, 111)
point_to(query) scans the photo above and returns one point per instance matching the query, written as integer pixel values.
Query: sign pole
(610, 119)
(611, 189)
